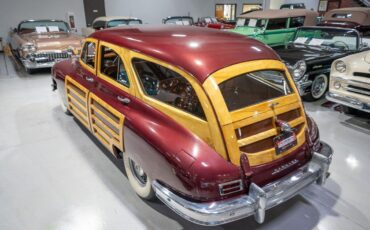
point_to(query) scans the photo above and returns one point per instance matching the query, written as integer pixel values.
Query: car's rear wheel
(139, 180)
(63, 106)
(318, 88)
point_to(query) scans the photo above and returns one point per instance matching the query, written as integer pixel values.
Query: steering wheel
(343, 43)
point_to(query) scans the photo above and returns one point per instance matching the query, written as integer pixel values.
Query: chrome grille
(358, 90)
(359, 74)
(52, 56)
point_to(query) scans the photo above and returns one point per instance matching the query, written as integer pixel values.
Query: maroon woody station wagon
(208, 121)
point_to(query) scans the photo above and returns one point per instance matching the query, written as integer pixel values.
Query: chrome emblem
(284, 166)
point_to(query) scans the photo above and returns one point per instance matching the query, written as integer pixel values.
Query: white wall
(310, 4)
(274, 4)
(14, 11)
(153, 11)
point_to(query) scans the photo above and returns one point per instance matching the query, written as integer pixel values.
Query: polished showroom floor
(53, 175)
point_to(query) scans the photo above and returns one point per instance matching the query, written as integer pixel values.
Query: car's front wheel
(318, 88)
(139, 180)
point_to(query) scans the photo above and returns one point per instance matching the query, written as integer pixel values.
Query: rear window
(253, 88)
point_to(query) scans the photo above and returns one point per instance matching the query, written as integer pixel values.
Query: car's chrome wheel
(138, 172)
(138, 179)
(318, 88)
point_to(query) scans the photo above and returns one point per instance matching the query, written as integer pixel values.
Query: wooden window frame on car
(214, 132)
(82, 62)
(120, 51)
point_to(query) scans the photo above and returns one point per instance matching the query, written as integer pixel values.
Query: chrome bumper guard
(348, 101)
(258, 200)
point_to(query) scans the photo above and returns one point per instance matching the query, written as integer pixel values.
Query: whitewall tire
(139, 180)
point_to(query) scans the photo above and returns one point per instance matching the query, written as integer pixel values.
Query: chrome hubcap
(138, 172)
(319, 86)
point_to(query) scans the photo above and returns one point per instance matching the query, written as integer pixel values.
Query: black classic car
(310, 55)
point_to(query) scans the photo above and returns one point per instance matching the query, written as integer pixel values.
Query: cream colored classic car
(42, 43)
(350, 82)
(109, 22)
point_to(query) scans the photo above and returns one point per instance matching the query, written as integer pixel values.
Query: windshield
(43, 26)
(123, 22)
(327, 38)
(251, 22)
(179, 21)
(253, 88)
(210, 20)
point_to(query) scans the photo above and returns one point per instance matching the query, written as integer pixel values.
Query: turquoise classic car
(274, 27)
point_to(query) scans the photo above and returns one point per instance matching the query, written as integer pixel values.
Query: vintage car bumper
(257, 201)
(44, 60)
(348, 101)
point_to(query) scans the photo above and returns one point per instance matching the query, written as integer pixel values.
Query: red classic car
(211, 22)
(216, 139)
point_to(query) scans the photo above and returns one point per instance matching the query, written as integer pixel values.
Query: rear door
(251, 98)
(77, 86)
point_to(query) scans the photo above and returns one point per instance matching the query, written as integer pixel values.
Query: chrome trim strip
(257, 201)
(354, 90)
(348, 101)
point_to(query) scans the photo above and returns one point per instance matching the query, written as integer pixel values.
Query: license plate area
(284, 141)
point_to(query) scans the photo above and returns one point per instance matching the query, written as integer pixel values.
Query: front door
(93, 9)
(111, 98)
(276, 32)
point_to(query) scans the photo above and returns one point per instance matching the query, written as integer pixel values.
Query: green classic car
(274, 27)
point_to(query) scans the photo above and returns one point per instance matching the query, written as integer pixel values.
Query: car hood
(293, 53)
(53, 41)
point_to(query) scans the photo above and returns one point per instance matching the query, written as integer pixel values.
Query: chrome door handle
(89, 79)
(124, 100)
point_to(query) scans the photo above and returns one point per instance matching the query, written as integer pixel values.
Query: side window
(167, 86)
(277, 24)
(112, 66)
(99, 25)
(296, 22)
(88, 54)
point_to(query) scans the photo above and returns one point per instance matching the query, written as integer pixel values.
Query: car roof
(361, 15)
(281, 13)
(199, 51)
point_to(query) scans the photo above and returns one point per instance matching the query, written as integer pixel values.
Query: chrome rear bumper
(348, 101)
(256, 202)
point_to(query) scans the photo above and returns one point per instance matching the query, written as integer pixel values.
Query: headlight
(299, 69)
(340, 66)
(29, 48)
(337, 85)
